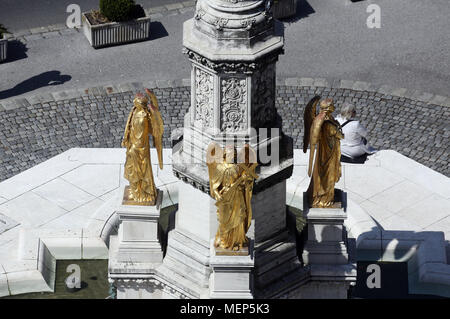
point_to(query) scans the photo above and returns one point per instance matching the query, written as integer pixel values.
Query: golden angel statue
(231, 178)
(144, 119)
(323, 133)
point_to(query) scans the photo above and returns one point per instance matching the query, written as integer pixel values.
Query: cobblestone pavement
(32, 134)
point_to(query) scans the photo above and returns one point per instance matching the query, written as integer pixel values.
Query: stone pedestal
(232, 276)
(325, 243)
(135, 253)
(325, 252)
(138, 233)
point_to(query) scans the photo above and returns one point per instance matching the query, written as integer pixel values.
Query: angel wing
(308, 118)
(157, 126)
(247, 160)
(125, 139)
(214, 155)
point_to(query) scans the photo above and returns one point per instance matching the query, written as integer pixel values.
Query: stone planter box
(114, 33)
(284, 8)
(3, 49)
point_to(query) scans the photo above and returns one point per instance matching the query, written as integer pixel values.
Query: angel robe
(138, 168)
(233, 206)
(327, 166)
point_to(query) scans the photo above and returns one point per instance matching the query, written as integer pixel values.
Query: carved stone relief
(233, 102)
(204, 98)
(263, 94)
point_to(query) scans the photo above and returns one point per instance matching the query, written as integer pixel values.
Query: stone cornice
(231, 66)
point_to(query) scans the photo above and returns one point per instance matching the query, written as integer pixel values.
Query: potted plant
(3, 44)
(117, 22)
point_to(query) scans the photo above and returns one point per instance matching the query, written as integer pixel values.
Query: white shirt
(352, 145)
(353, 131)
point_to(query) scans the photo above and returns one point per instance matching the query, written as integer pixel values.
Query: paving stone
(33, 37)
(399, 92)
(320, 82)
(158, 9)
(306, 81)
(187, 9)
(57, 27)
(51, 34)
(174, 6)
(346, 84)
(189, 3)
(361, 86)
(447, 102)
(291, 81)
(39, 30)
(21, 33)
(438, 99)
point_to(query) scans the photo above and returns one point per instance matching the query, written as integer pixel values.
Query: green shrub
(118, 10)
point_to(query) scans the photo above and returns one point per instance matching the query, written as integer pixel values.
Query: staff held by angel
(323, 133)
(231, 178)
(144, 120)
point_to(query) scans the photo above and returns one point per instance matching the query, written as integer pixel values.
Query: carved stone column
(233, 47)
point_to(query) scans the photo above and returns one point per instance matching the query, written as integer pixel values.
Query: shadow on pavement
(36, 82)
(304, 9)
(16, 51)
(157, 30)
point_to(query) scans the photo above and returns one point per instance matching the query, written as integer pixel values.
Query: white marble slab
(442, 225)
(377, 212)
(36, 176)
(97, 155)
(95, 179)
(354, 197)
(77, 218)
(368, 181)
(94, 248)
(31, 209)
(400, 196)
(395, 222)
(6, 223)
(4, 289)
(63, 194)
(416, 172)
(428, 211)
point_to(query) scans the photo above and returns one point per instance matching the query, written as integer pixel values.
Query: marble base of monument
(231, 277)
(325, 253)
(325, 243)
(138, 233)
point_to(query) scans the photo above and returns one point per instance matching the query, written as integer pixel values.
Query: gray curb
(384, 92)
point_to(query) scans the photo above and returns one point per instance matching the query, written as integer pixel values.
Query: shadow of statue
(16, 51)
(157, 30)
(303, 10)
(36, 82)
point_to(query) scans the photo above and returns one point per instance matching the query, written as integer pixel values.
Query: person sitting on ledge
(354, 146)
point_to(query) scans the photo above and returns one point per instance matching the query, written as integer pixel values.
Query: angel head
(140, 100)
(327, 105)
(229, 154)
